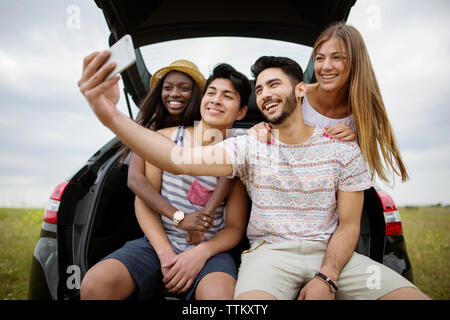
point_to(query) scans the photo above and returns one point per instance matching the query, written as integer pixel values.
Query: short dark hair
(289, 66)
(239, 80)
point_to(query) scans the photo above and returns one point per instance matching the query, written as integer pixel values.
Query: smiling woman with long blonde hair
(346, 85)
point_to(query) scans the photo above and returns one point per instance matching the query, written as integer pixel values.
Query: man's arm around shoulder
(163, 153)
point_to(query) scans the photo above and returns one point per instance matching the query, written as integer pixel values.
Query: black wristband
(333, 286)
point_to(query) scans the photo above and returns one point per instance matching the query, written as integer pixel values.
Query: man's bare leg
(107, 280)
(405, 293)
(255, 295)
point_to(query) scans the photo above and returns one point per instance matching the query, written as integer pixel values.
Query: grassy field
(19, 232)
(426, 230)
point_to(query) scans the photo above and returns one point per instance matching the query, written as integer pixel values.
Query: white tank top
(313, 118)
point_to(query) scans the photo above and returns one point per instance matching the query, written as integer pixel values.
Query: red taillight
(394, 229)
(51, 213)
(391, 215)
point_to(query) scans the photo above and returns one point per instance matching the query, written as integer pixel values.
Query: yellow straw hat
(183, 66)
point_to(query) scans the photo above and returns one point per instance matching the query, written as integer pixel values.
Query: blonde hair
(373, 128)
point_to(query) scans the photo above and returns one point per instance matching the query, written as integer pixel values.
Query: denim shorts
(143, 263)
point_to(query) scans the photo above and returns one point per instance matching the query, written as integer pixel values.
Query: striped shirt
(175, 188)
(293, 187)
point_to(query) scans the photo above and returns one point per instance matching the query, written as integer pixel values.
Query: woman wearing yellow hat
(174, 99)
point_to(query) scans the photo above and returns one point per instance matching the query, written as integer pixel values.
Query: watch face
(178, 215)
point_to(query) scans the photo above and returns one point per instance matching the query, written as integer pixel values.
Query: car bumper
(44, 276)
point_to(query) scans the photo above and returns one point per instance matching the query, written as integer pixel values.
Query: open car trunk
(104, 219)
(97, 215)
(155, 21)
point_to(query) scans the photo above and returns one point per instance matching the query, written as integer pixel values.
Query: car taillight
(393, 223)
(51, 213)
(391, 215)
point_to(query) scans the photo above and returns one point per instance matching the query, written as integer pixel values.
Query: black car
(92, 213)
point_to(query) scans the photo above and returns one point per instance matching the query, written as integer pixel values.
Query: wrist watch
(178, 216)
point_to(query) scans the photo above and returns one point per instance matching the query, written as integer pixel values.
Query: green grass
(426, 230)
(19, 232)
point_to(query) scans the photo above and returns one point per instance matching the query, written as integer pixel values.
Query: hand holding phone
(103, 95)
(122, 53)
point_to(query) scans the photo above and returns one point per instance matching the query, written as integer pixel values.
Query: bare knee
(107, 280)
(406, 293)
(255, 295)
(91, 286)
(216, 286)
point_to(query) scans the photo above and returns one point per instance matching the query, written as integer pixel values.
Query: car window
(206, 52)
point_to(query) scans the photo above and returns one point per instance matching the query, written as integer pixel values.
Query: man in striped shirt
(164, 256)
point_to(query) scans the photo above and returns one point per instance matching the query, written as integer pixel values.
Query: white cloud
(47, 66)
(47, 130)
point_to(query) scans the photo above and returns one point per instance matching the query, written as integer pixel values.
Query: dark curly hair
(289, 66)
(239, 80)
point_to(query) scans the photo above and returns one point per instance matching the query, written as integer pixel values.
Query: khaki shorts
(282, 269)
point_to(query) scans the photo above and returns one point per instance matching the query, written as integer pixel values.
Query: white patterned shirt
(293, 188)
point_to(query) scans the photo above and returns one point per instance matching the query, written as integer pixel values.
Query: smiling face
(330, 65)
(275, 95)
(176, 92)
(220, 106)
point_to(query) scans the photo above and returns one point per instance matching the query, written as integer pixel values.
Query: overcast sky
(47, 131)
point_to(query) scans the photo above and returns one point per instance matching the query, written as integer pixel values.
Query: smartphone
(122, 53)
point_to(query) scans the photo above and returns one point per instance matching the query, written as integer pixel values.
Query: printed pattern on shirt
(293, 187)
